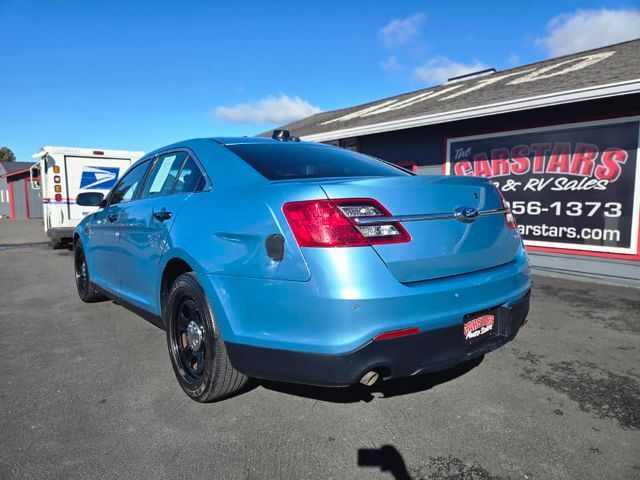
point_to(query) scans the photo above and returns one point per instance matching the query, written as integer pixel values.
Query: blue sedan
(278, 259)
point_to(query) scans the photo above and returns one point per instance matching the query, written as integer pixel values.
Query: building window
(350, 144)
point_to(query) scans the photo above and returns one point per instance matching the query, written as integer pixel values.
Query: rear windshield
(297, 160)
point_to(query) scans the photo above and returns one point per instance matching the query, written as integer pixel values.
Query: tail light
(508, 216)
(405, 332)
(330, 223)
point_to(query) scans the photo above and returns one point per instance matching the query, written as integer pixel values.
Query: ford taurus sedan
(277, 259)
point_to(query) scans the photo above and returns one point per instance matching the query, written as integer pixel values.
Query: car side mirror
(90, 199)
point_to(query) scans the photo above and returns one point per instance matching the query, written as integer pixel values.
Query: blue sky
(139, 75)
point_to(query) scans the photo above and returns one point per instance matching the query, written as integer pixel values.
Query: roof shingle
(599, 67)
(10, 167)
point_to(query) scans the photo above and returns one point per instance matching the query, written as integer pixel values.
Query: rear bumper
(431, 350)
(350, 301)
(60, 233)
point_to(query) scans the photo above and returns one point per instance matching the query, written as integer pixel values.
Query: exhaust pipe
(369, 378)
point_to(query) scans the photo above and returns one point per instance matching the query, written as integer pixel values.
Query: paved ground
(87, 391)
(13, 232)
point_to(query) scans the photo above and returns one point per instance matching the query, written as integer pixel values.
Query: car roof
(231, 141)
(226, 141)
(242, 140)
(233, 173)
(258, 140)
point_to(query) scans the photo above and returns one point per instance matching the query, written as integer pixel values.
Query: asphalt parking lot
(88, 392)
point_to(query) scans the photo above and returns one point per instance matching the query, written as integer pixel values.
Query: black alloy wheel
(190, 339)
(85, 288)
(198, 353)
(82, 277)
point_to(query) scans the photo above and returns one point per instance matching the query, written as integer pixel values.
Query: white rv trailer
(64, 173)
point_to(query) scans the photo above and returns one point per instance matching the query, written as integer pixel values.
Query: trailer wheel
(86, 292)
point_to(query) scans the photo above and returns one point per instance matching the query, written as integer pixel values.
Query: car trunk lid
(439, 247)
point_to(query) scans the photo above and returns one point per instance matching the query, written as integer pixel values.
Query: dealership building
(559, 138)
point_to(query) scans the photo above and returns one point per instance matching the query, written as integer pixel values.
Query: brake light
(331, 223)
(319, 223)
(508, 216)
(397, 333)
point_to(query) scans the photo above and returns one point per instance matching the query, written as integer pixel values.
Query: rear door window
(190, 178)
(164, 174)
(283, 161)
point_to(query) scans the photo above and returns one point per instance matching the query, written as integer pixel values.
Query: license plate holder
(479, 326)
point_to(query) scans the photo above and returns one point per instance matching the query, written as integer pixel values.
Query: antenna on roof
(281, 135)
(470, 75)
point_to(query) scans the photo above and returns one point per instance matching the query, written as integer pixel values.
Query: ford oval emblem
(466, 214)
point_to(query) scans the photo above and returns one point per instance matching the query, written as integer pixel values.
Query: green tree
(6, 155)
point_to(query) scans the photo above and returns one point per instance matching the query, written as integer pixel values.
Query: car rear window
(295, 160)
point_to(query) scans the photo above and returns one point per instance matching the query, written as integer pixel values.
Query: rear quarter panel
(224, 231)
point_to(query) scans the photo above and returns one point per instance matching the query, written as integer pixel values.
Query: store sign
(571, 186)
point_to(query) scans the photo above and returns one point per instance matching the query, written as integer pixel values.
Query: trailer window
(128, 185)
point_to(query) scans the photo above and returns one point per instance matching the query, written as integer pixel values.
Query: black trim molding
(141, 312)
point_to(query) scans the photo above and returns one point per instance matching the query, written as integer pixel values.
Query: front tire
(86, 292)
(198, 354)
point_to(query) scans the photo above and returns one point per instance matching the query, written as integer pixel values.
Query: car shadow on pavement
(385, 389)
(387, 458)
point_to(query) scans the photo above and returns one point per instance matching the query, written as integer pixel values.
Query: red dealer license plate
(479, 327)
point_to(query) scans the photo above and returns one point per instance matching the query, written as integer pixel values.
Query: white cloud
(586, 29)
(439, 69)
(513, 59)
(270, 109)
(390, 64)
(400, 31)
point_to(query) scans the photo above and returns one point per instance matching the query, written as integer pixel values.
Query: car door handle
(162, 215)
(112, 217)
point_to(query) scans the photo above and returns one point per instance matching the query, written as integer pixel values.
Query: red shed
(17, 199)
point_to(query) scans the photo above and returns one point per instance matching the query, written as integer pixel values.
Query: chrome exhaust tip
(369, 378)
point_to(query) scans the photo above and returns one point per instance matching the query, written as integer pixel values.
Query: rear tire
(197, 351)
(86, 291)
